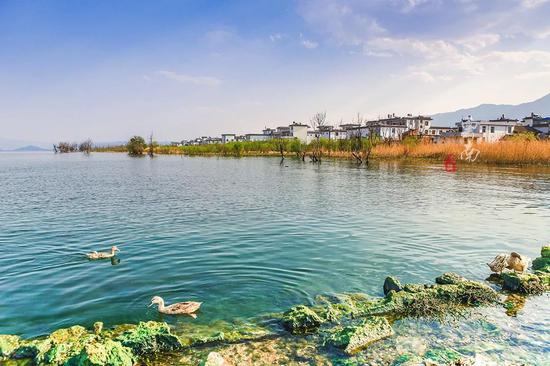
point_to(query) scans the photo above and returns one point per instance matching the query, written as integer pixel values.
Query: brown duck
(179, 308)
(103, 255)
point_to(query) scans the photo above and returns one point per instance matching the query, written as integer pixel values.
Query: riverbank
(508, 152)
(339, 329)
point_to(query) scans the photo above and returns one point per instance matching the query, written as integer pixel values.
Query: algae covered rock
(34, 349)
(529, 284)
(541, 264)
(8, 344)
(449, 278)
(353, 338)
(444, 356)
(98, 327)
(545, 251)
(392, 284)
(301, 319)
(107, 352)
(149, 337)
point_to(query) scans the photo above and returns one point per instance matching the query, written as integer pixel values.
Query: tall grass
(514, 151)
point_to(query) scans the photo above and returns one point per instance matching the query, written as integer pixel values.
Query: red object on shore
(450, 163)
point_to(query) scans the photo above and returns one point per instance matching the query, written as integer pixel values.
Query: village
(394, 128)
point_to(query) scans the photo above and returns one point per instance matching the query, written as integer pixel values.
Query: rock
(214, 359)
(107, 352)
(34, 349)
(545, 251)
(8, 344)
(407, 359)
(98, 327)
(529, 284)
(301, 319)
(412, 287)
(541, 264)
(65, 343)
(353, 338)
(392, 284)
(443, 356)
(449, 278)
(149, 337)
(220, 331)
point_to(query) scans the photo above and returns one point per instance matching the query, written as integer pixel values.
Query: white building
(228, 137)
(489, 131)
(299, 131)
(541, 124)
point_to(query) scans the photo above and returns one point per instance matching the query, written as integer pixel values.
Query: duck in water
(179, 308)
(103, 255)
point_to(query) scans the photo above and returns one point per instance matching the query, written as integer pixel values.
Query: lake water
(246, 236)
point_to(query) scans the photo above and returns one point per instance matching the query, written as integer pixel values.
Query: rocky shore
(345, 324)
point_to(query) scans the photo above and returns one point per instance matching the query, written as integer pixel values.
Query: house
(541, 124)
(436, 133)
(299, 131)
(420, 124)
(228, 137)
(489, 131)
(257, 137)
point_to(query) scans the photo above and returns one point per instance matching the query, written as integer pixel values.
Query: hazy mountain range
(483, 111)
(493, 111)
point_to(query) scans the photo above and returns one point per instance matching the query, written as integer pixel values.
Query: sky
(108, 69)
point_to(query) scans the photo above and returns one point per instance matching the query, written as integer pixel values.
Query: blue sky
(111, 69)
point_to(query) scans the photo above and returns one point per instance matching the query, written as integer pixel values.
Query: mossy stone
(301, 319)
(545, 251)
(353, 338)
(541, 264)
(8, 344)
(150, 337)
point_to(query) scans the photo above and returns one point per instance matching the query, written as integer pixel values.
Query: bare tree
(86, 146)
(361, 146)
(67, 147)
(151, 146)
(318, 121)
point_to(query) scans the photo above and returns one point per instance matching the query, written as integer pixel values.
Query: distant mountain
(493, 111)
(30, 148)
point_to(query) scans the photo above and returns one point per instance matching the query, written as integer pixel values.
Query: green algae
(354, 337)
(541, 264)
(545, 251)
(301, 320)
(8, 344)
(149, 337)
(527, 283)
(107, 352)
(442, 355)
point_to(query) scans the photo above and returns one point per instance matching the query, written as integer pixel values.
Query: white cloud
(276, 37)
(533, 3)
(190, 79)
(479, 41)
(309, 44)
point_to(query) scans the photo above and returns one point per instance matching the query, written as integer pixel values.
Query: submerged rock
(353, 338)
(392, 284)
(149, 337)
(214, 359)
(301, 319)
(8, 344)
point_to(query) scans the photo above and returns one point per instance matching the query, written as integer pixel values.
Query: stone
(449, 278)
(407, 359)
(541, 264)
(107, 352)
(8, 344)
(34, 349)
(98, 327)
(529, 284)
(214, 359)
(150, 337)
(353, 338)
(392, 284)
(301, 319)
(443, 356)
(545, 251)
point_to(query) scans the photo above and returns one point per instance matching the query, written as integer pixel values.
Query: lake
(249, 236)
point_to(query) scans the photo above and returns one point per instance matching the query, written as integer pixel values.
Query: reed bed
(514, 151)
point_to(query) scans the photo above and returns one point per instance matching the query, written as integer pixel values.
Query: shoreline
(336, 330)
(503, 153)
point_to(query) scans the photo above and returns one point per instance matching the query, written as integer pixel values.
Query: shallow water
(245, 236)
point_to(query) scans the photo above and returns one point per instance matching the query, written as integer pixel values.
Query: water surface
(245, 236)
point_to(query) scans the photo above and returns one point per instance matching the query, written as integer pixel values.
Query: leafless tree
(67, 147)
(151, 146)
(318, 121)
(361, 146)
(86, 146)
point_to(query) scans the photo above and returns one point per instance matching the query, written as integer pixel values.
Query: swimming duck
(103, 255)
(179, 308)
(513, 261)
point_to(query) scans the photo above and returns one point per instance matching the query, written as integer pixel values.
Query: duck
(179, 308)
(512, 261)
(103, 255)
